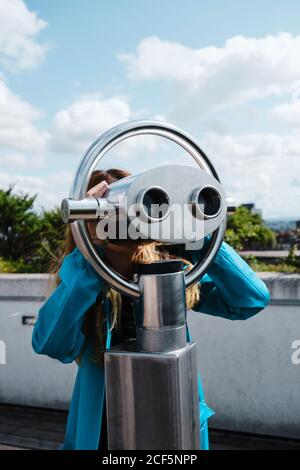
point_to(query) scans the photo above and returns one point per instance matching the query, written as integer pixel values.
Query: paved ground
(31, 428)
(36, 428)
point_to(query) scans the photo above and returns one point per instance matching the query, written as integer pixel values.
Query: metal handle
(80, 183)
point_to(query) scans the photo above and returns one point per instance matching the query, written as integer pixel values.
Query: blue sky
(225, 71)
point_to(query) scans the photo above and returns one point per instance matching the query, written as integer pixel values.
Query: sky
(225, 71)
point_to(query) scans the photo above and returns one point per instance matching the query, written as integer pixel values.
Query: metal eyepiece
(153, 203)
(206, 202)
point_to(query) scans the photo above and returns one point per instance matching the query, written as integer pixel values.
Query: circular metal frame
(78, 190)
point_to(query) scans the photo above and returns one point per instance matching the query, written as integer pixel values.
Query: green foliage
(28, 240)
(281, 267)
(19, 225)
(7, 266)
(293, 259)
(52, 236)
(247, 231)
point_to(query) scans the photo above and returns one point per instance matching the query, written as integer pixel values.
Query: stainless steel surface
(179, 182)
(79, 188)
(166, 190)
(85, 209)
(161, 339)
(161, 312)
(155, 404)
(162, 302)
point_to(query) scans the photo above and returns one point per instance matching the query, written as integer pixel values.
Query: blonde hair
(93, 326)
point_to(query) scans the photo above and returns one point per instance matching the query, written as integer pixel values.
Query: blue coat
(230, 289)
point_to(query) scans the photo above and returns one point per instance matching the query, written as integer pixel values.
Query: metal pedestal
(153, 398)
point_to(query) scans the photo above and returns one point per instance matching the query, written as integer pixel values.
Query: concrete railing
(249, 369)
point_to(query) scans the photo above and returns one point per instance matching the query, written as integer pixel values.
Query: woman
(83, 316)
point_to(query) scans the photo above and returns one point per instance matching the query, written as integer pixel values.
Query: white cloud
(21, 142)
(76, 127)
(213, 77)
(50, 189)
(259, 168)
(19, 27)
(288, 113)
(20, 161)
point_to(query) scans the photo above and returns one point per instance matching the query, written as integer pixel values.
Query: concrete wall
(248, 374)
(28, 378)
(247, 371)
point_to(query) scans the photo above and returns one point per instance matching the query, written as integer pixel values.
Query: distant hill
(277, 224)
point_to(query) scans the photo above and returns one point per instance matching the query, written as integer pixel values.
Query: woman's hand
(96, 191)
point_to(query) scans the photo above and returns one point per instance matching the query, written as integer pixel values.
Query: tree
(19, 225)
(246, 230)
(292, 258)
(28, 240)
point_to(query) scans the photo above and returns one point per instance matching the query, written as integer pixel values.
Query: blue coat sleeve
(57, 331)
(230, 288)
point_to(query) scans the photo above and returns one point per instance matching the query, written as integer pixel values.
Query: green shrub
(246, 231)
(28, 240)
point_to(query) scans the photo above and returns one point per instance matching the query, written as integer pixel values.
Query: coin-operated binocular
(151, 383)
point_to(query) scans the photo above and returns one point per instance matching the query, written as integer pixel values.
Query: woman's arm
(57, 331)
(230, 288)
